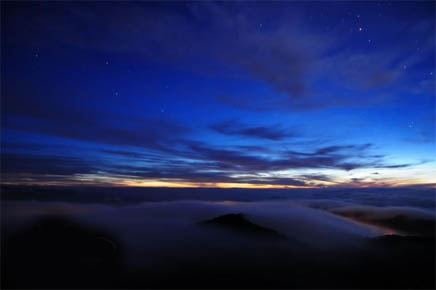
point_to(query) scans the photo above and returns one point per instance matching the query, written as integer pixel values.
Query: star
(162, 110)
(404, 66)
(116, 93)
(369, 40)
(358, 15)
(360, 28)
(260, 25)
(107, 62)
(36, 55)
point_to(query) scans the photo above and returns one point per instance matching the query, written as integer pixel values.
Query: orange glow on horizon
(109, 181)
(209, 185)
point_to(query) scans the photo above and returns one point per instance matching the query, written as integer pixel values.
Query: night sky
(226, 94)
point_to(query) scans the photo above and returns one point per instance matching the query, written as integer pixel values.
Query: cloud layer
(241, 80)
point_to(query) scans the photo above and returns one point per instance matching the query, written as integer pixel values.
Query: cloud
(44, 165)
(406, 211)
(316, 177)
(128, 154)
(31, 108)
(156, 239)
(223, 39)
(287, 160)
(233, 127)
(172, 33)
(188, 161)
(292, 220)
(411, 221)
(402, 165)
(268, 45)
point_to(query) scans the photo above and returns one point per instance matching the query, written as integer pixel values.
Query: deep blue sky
(218, 94)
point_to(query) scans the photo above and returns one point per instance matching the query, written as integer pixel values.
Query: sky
(218, 94)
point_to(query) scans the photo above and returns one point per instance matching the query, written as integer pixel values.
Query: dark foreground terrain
(60, 253)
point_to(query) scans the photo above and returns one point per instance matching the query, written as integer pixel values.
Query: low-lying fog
(165, 236)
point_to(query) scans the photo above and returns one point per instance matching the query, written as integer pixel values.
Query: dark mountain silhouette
(58, 253)
(55, 252)
(239, 223)
(416, 227)
(404, 243)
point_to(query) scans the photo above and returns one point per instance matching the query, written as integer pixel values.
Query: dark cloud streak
(233, 127)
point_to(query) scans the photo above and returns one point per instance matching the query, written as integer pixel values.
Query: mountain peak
(239, 223)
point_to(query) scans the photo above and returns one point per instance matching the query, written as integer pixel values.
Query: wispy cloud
(233, 127)
(289, 57)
